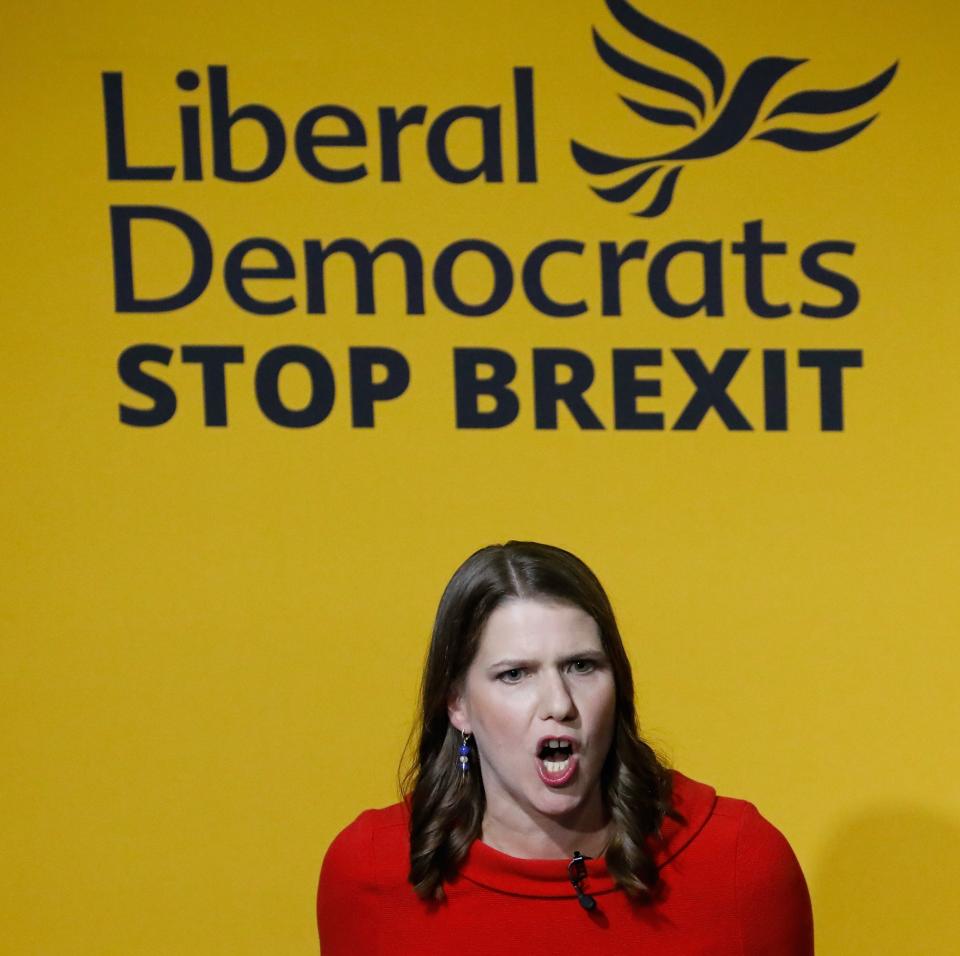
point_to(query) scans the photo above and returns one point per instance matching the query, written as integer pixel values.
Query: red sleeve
(773, 903)
(346, 893)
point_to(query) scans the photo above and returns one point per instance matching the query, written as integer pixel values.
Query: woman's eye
(582, 667)
(511, 676)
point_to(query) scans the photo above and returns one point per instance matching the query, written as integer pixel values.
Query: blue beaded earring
(464, 753)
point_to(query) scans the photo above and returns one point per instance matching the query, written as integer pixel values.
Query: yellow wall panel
(212, 635)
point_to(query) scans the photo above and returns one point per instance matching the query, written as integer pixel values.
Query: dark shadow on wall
(888, 885)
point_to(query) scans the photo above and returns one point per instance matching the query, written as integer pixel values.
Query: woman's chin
(557, 801)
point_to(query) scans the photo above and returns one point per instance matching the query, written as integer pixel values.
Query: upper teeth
(554, 743)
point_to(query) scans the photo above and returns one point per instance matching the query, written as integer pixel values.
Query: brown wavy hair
(446, 812)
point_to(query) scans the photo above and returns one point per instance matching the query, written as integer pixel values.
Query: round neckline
(496, 870)
(499, 871)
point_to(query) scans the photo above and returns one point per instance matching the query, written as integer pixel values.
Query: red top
(731, 886)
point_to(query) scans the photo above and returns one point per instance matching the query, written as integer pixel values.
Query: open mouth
(556, 760)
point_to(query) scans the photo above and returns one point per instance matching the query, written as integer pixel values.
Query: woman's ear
(457, 710)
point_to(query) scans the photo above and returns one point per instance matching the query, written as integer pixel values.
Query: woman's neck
(533, 836)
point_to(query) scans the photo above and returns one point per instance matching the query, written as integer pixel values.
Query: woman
(535, 819)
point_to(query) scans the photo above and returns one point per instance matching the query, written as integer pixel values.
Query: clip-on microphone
(577, 870)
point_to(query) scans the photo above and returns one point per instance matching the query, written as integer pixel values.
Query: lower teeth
(555, 766)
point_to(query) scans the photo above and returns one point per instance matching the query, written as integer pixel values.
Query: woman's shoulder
(377, 821)
(362, 869)
(759, 845)
(372, 841)
(731, 833)
(710, 816)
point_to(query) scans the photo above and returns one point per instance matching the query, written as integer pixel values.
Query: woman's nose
(556, 700)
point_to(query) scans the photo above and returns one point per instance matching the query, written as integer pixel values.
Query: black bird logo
(719, 128)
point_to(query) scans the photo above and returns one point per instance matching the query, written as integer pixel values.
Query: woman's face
(540, 675)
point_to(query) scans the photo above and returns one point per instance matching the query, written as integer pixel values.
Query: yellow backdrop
(212, 634)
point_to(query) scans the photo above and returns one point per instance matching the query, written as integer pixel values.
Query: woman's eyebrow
(508, 664)
(591, 654)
